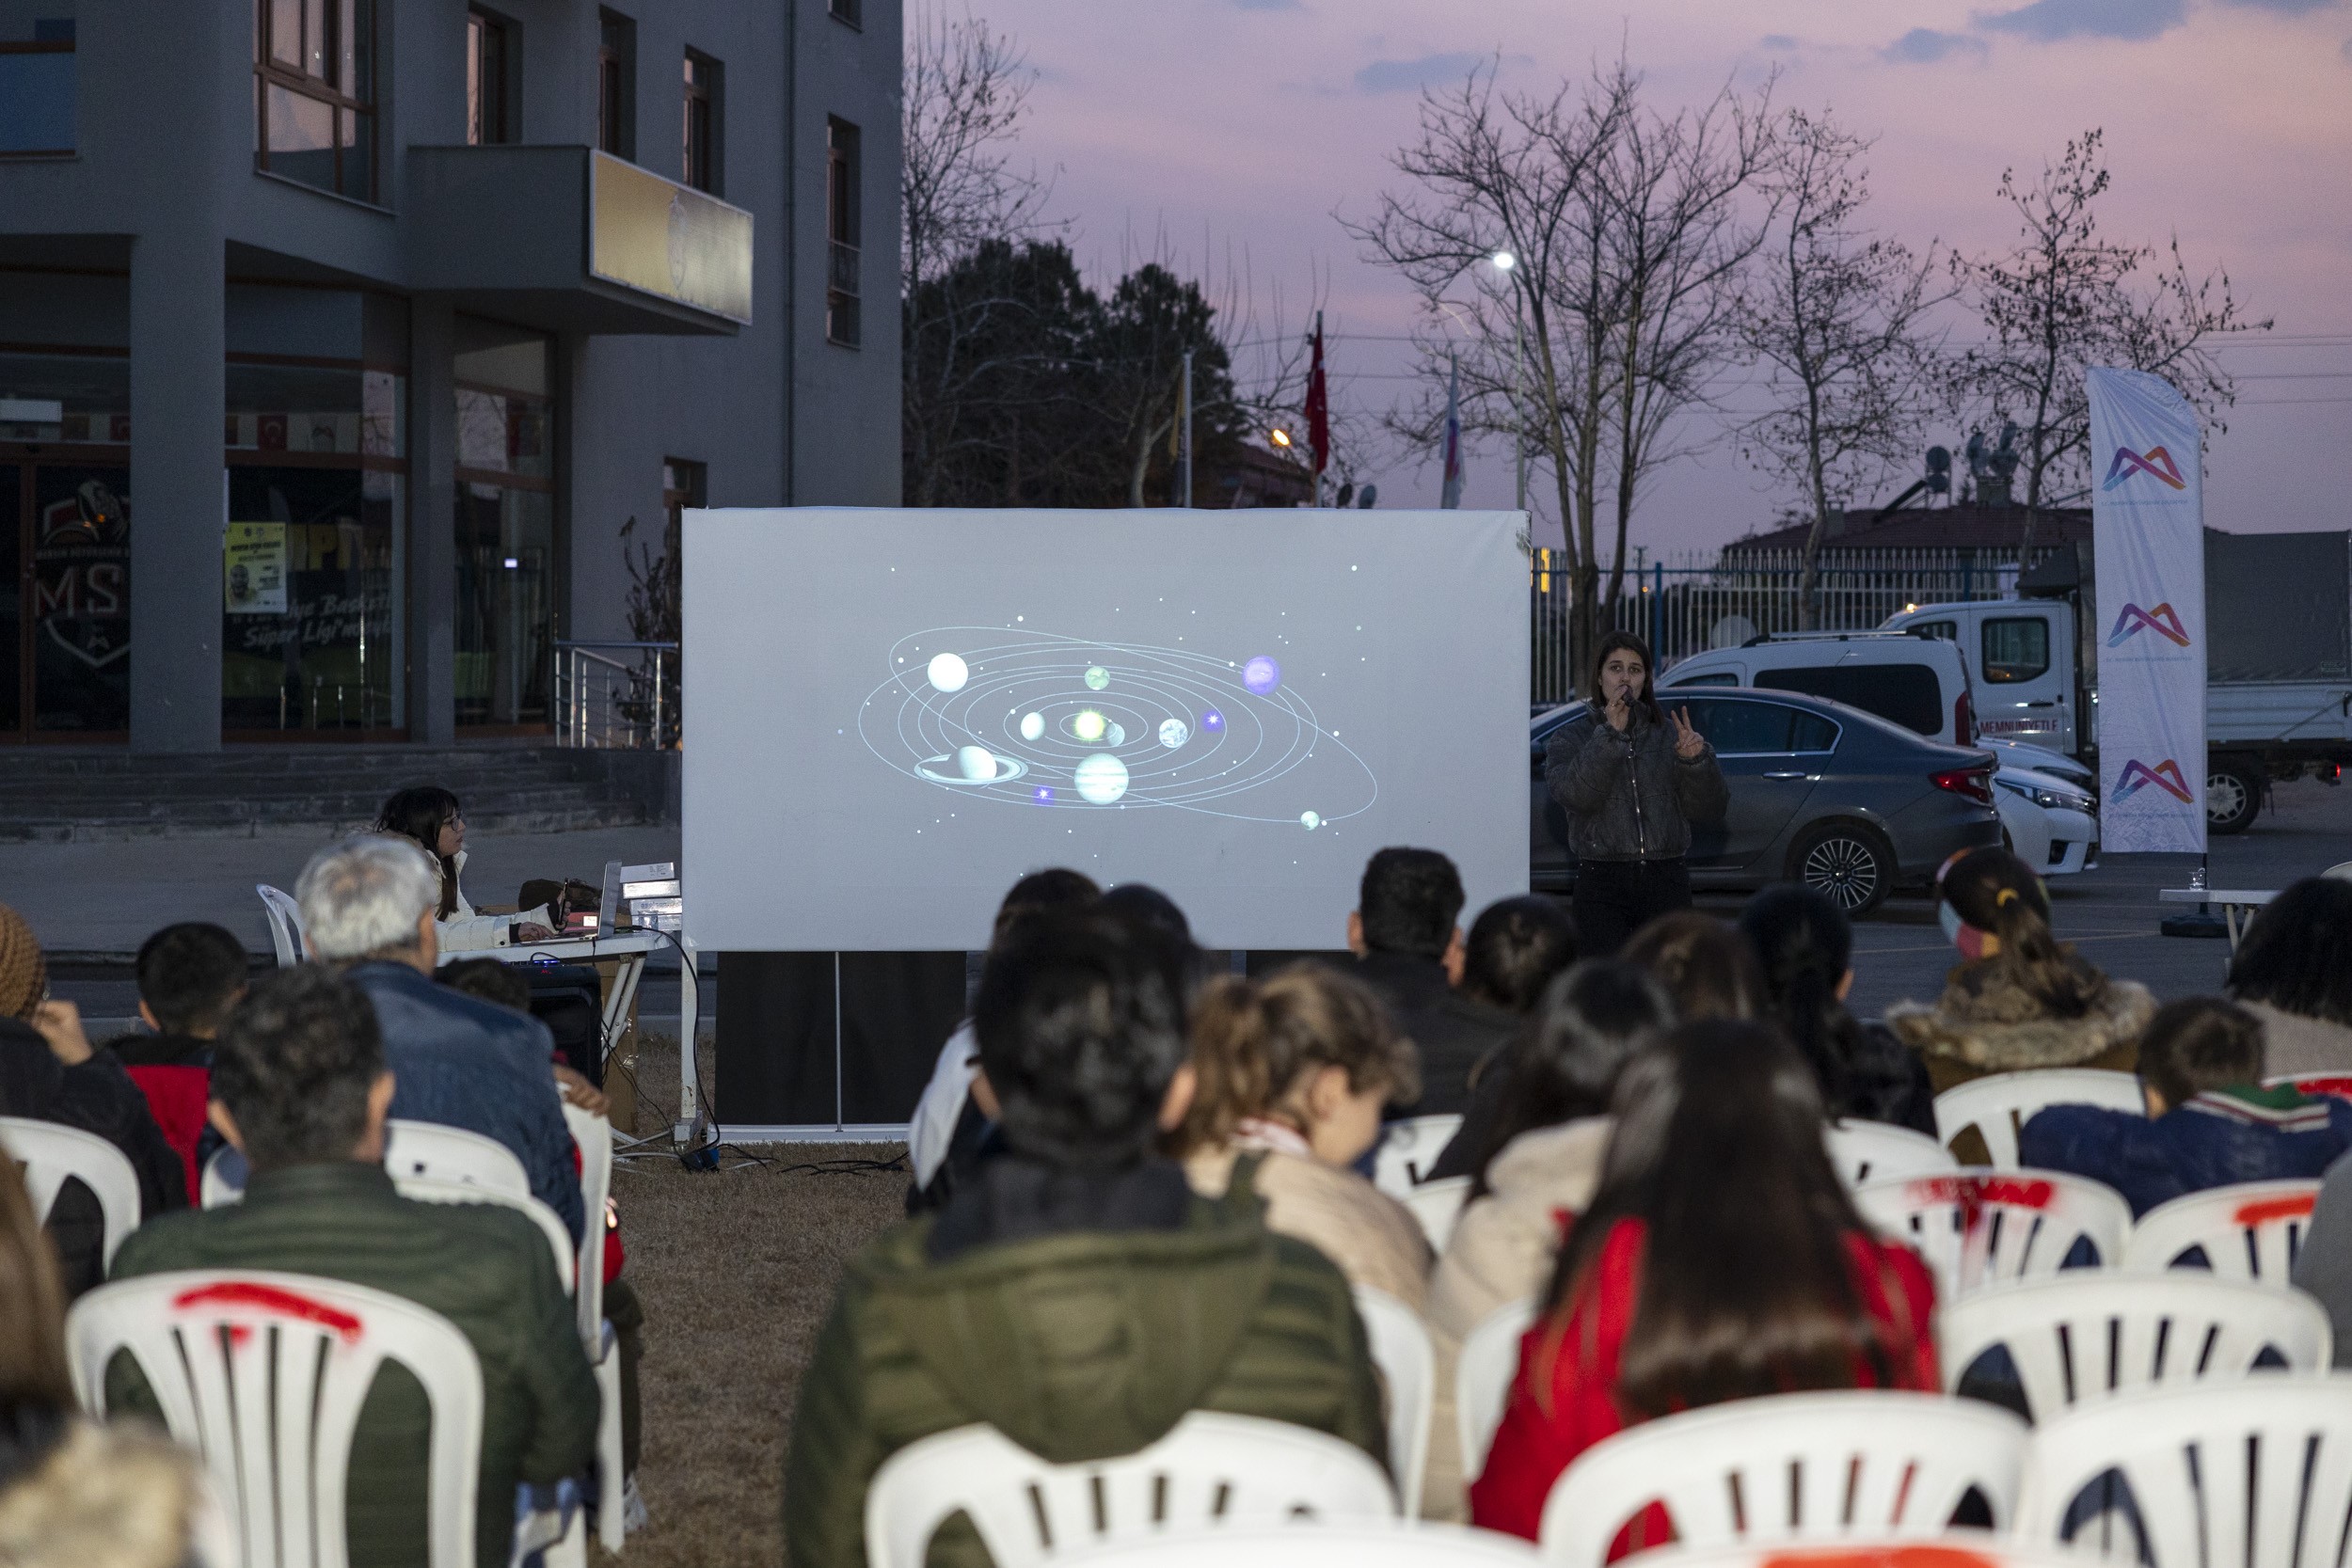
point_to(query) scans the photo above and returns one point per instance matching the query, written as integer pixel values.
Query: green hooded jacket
(1082, 1345)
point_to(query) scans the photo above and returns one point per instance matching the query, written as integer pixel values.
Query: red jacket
(1537, 1441)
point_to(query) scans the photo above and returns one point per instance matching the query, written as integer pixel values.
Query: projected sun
(1035, 719)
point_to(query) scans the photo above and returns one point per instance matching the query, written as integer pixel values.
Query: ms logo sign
(2165, 775)
(2163, 620)
(2156, 461)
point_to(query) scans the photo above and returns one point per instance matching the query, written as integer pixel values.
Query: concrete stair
(53, 794)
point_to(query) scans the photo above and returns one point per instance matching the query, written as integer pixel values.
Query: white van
(1917, 682)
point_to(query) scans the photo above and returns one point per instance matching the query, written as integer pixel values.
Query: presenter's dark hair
(2298, 954)
(2200, 1043)
(1564, 1062)
(1081, 1024)
(295, 1063)
(1409, 900)
(1647, 696)
(188, 975)
(1514, 947)
(420, 813)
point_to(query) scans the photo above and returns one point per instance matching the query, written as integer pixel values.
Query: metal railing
(619, 695)
(1720, 599)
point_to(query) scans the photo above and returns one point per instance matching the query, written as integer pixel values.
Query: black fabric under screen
(777, 1035)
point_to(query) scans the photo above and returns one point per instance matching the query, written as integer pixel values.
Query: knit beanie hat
(24, 973)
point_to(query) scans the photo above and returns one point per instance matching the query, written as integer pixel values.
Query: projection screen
(892, 715)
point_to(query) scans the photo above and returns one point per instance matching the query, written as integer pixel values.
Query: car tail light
(1975, 783)
(1964, 718)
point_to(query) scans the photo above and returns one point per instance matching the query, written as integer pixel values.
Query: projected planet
(1036, 719)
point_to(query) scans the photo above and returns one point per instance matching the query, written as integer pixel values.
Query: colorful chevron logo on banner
(2156, 461)
(2165, 775)
(2163, 620)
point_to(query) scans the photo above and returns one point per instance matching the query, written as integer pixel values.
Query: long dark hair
(35, 1388)
(420, 813)
(2298, 954)
(1647, 697)
(1994, 890)
(1745, 1284)
(1565, 1061)
(1805, 944)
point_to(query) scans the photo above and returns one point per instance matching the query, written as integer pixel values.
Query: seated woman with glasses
(430, 816)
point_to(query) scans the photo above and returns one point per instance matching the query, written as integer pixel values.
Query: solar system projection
(894, 714)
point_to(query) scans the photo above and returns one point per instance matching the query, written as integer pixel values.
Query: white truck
(2278, 663)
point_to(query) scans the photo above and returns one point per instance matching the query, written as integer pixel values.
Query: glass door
(79, 579)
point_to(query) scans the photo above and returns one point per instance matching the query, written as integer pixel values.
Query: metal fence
(619, 695)
(1721, 599)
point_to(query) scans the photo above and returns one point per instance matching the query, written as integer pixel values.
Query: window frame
(488, 89)
(1837, 730)
(849, 13)
(1984, 649)
(345, 57)
(845, 231)
(69, 45)
(706, 92)
(616, 84)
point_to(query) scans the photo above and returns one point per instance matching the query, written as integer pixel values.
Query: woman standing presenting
(1631, 780)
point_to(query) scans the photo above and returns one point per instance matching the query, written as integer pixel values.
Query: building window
(849, 12)
(37, 91)
(491, 59)
(314, 93)
(616, 85)
(704, 122)
(506, 538)
(842, 233)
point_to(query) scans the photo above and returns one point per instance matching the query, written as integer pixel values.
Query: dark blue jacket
(2212, 1141)
(474, 1065)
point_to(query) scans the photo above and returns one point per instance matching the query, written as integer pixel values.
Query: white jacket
(1503, 1245)
(467, 932)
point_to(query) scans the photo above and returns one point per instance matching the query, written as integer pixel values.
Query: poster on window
(253, 560)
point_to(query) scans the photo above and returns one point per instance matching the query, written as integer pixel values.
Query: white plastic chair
(1866, 1151)
(1998, 1105)
(51, 1153)
(2256, 1473)
(593, 1135)
(2089, 1336)
(214, 1187)
(285, 924)
(2249, 1231)
(1791, 1468)
(426, 1189)
(1408, 1372)
(1211, 1472)
(1425, 1545)
(1482, 1379)
(1437, 1205)
(452, 1154)
(1408, 1149)
(262, 1374)
(1959, 1548)
(1983, 1227)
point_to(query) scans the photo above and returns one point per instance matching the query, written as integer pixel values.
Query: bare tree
(2065, 299)
(1840, 321)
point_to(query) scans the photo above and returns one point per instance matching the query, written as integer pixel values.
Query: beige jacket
(2295, 1043)
(116, 1496)
(1503, 1245)
(467, 932)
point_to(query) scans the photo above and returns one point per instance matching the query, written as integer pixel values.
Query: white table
(2233, 901)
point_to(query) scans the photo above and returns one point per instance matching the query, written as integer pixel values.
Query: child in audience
(1708, 968)
(1804, 945)
(2294, 972)
(189, 975)
(1721, 1259)
(2210, 1122)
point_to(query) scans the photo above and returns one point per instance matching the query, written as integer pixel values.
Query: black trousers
(1616, 899)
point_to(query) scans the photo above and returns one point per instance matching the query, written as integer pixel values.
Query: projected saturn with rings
(1038, 719)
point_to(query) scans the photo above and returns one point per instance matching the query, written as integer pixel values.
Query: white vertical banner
(2147, 519)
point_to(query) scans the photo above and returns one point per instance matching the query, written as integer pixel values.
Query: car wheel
(1847, 860)
(2234, 795)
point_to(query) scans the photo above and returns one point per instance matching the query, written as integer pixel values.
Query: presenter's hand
(1688, 744)
(1620, 713)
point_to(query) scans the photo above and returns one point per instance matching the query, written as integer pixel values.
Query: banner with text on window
(2146, 515)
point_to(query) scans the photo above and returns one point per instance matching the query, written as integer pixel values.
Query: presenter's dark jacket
(1627, 797)
(1080, 1315)
(485, 1269)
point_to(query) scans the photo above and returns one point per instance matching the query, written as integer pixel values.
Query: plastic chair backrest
(2340, 871)
(2091, 1335)
(1408, 1150)
(1790, 1468)
(1408, 1372)
(593, 1133)
(264, 1373)
(285, 924)
(426, 1189)
(1437, 1205)
(216, 1190)
(1983, 1227)
(452, 1154)
(51, 1153)
(2254, 1473)
(1425, 1545)
(1961, 1548)
(1866, 1151)
(1482, 1379)
(1997, 1106)
(2336, 1083)
(2250, 1231)
(1211, 1471)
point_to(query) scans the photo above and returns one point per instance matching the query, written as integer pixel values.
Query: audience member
(1517, 946)
(299, 1086)
(367, 906)
(189, 975)
(1077, 1295)
(429, 817)
(1708, 968)
(2210, 1122)
(73, 1493)
(1409, 950)
(1720, 1259)
(50, 1073)
(1803, 946)
(948, 1124)
(1541, 1161)
(1294, 1071)
(2324, 1267)
(2294, 972)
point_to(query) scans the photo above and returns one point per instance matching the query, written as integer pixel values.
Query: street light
(1281, 437)
(1504, 261)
